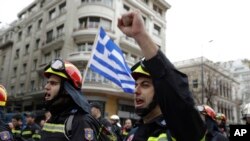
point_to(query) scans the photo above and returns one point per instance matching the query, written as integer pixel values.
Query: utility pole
(202, 74)
(202, 81)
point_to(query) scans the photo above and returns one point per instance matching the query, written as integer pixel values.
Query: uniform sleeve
(83, 129)
(175, 100)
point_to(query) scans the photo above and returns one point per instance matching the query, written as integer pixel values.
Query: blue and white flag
(107, 60)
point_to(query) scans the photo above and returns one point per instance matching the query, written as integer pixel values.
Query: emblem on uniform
(89, 134)
(4, 135)
(130, 138)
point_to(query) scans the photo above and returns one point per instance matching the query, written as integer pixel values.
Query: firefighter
(213, 133)
(5, 131)
(222, 123)
(66, 103)
(162, 98)
(32, 130)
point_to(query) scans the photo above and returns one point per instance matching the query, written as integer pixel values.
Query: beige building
(212, 85)
(48, 29)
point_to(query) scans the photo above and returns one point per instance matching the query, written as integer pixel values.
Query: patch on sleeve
(89, 134)
(130, 138)
(5, 135)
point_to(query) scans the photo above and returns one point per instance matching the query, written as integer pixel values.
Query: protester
(66, 103)
(5, 131)
(116, 126)
(17, 126)
(128, 125)
(221, 122)
(162, 98)
(96, 113)
(32, 130)
(209, 116)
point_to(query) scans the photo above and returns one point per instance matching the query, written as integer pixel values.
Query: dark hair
(96, 105)
(17, 117)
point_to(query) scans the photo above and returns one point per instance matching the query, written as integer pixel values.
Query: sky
(216, 29)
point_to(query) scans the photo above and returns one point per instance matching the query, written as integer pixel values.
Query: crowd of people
(162, 100)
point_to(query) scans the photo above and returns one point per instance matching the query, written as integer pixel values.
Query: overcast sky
(216, 29)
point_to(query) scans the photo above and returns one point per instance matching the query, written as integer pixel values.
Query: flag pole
(91, 56)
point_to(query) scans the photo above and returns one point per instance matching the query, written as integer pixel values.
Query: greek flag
(107, 60)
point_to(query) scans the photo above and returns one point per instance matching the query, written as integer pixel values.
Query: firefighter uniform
(5, 133)
(84, 127)
(17, 133)
(31, 132)
(180, 120)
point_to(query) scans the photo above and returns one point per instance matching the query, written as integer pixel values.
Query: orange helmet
(207, 110)
(66, 70)
(221, 116)
(3, 96)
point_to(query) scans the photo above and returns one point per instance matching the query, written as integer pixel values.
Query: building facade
(48, 29)
(212, 85)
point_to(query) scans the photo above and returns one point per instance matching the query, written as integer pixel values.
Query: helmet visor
(57, 67)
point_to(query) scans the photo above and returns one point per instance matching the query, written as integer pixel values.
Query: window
(105, 2)
(60, 30)
(34, 64)
(87, 46)
(47, 58)
(39, 24)
(27, 49)
(93, 22)
(29, 30)
(42, 3)
(52, 14)
(106, 24)
(20, 35)
(58, 53)
(62, 7)
(157, 9)
(126, 8)
(24, 67)
(14, 71)
(32, 85)
(49, 36)
(22, 87)
(3, 60)
(83, 22)
(12, 90)
(195, 83)
(157, 30)
(37, 43)
(17, 53)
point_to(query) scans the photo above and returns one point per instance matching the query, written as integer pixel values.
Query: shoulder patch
(130, 138)
(5, 135)
(88, 134)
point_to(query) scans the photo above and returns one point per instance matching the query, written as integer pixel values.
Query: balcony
(59, 39)
(79, 56)
(130, 42)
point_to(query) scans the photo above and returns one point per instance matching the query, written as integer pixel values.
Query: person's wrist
(140, 37)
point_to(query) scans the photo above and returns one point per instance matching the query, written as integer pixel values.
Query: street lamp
(202, 74)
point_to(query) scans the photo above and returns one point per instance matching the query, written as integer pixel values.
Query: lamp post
(202, 74)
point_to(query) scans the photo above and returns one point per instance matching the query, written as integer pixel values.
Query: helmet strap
(59, 101)
(144, 111)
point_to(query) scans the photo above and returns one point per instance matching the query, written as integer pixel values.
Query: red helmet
(66, 70)
(207, 110)
(221, 116)
(3, 96)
